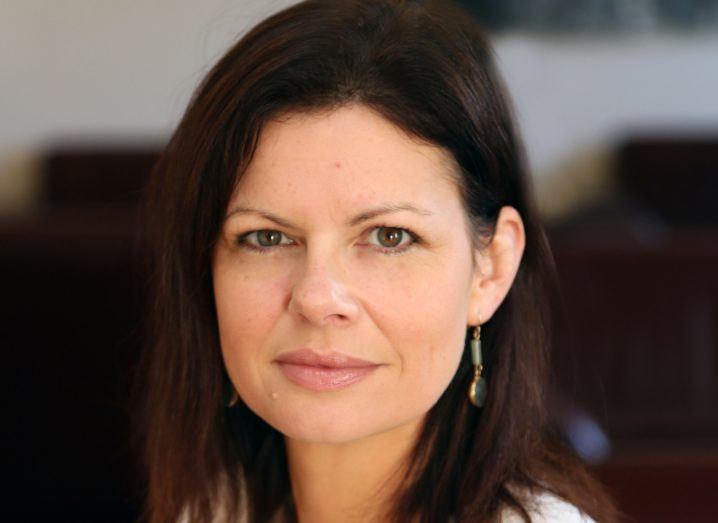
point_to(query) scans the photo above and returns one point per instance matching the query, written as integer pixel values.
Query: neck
(352, 482)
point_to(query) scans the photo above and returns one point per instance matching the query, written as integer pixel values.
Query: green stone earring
(478, 388)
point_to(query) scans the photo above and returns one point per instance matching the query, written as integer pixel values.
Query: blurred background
(617, 102)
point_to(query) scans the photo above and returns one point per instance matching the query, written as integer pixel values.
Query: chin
(324, 427)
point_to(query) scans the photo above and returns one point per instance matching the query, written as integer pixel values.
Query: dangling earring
(230, 397)
(477, 389)
(234, 399)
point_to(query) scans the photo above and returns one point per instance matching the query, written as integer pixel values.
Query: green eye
(389, 240)
(268, 238)
(263, 240)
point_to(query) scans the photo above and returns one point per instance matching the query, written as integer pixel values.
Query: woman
(350, 316)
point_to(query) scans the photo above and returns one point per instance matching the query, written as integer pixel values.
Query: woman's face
(338, 277)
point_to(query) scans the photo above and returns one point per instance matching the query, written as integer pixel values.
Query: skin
(328, 285)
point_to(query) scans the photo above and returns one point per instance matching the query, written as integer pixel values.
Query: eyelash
(415, 240)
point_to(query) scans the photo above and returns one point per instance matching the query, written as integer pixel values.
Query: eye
(392, 239)
(265, 240)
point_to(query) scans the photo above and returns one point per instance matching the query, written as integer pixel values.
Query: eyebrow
(352, 222)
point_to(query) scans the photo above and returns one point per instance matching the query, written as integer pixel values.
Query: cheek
(247, 307)
(426, 301)
(422, 313)
(433, 362)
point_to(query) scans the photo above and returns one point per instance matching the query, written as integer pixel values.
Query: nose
(321, 298)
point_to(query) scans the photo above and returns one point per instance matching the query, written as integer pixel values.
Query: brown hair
(426, 67)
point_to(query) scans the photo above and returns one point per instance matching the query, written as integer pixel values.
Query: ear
(496, 266)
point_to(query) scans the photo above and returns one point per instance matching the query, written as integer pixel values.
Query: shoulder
(546, 507)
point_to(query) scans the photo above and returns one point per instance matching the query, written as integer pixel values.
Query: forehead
(346, 156)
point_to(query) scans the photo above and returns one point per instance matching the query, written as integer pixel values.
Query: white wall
(577, 98)
(101, 68)
(76, 69)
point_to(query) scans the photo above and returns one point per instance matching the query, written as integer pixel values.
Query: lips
(333, 359)
(323, 372)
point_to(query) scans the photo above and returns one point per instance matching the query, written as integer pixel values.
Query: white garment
(544, 508)
(548, 508)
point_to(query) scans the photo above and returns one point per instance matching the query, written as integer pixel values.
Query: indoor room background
(617, 102)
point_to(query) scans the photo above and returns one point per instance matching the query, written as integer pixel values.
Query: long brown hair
(427, 68)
